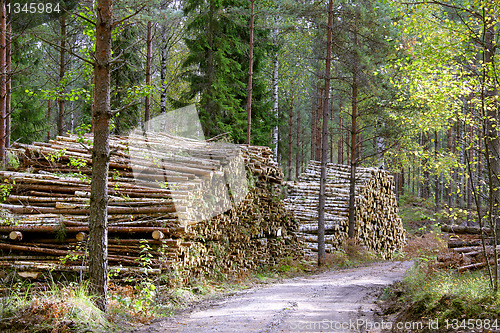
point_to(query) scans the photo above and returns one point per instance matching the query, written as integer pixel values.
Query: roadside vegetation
(432, 293)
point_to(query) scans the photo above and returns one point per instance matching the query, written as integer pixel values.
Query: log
(47, 198)
(111, 229)
(377, 224)
(464, 229)
(157, 235)
(454, 243)
(79, 211)
(81, 236)
(473, 266)
(15, 236)
(472, 248)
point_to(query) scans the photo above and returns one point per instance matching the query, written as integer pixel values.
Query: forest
(407, 87)
(410, 83)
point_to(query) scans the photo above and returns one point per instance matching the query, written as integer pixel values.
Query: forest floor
(332, 301)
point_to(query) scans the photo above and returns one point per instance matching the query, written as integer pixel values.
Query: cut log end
(16, 235)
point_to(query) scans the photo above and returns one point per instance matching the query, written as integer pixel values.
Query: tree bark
(276, 94)
(290, 138)
(250, 74)
(98, 220)
(340, 153)
(319, 118)
(489, 106)
(324, 145)
(437, 192)
(313, 130)
(163, 71)
(354, 142)
(3, 79)
(425, 171)
(49, 111)
(8, 78)
(451, 150)
(147, 105)
(299, 148)
(62, 55)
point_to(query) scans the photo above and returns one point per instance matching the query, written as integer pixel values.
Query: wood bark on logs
(151, 208)
(377, 224)
(469, 248)
(464, 229)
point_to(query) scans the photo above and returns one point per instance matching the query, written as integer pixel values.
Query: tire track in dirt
(334, 301)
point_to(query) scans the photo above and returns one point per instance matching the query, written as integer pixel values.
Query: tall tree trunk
(425, 171)
(451, 150)
(469, 178)
(3, 79)
(403, 181)
(49, 111)
(319, 120)
(250, 73)
(314, 121)
(456, 176)
(489, 107)
(331, 137)
(147, 106)
(299, 148)
(275, 93)
(62, 69)
(324, 145)
(290, 138)
(8, 78)
(98, 220)
(437, 192)
(163, 71)
(354, 142)
(340, 153)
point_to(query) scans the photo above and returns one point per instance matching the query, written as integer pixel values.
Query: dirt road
(337, 301)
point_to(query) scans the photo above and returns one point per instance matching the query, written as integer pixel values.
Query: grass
(444, 294)
(428, 293)
(66, 309)
(351, 255)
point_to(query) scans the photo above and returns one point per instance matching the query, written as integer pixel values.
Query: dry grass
(425, 246)
(352, 254)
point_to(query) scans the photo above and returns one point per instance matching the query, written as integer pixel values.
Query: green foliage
(5, 189)
(128, 81)
(217, 67)
(55, 157)
(12, 160)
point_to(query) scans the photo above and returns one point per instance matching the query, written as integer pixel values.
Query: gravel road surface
(335, 301)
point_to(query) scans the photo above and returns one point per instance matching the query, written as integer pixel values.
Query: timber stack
(157, 221)
(469, 248)
(377, 224)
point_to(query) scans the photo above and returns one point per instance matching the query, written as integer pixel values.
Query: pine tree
(218, 69)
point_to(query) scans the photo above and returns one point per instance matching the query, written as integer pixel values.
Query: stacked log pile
(469, 248)
(377, 224)
(154, 224)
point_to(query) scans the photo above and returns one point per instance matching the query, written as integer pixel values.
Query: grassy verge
(429, 294)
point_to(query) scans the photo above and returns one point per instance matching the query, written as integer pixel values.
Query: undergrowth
(350, 255)
(57, 309)
(446, 294)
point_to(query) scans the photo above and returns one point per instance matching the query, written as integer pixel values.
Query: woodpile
(466, 250)
(178, 213)
(377, 224)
